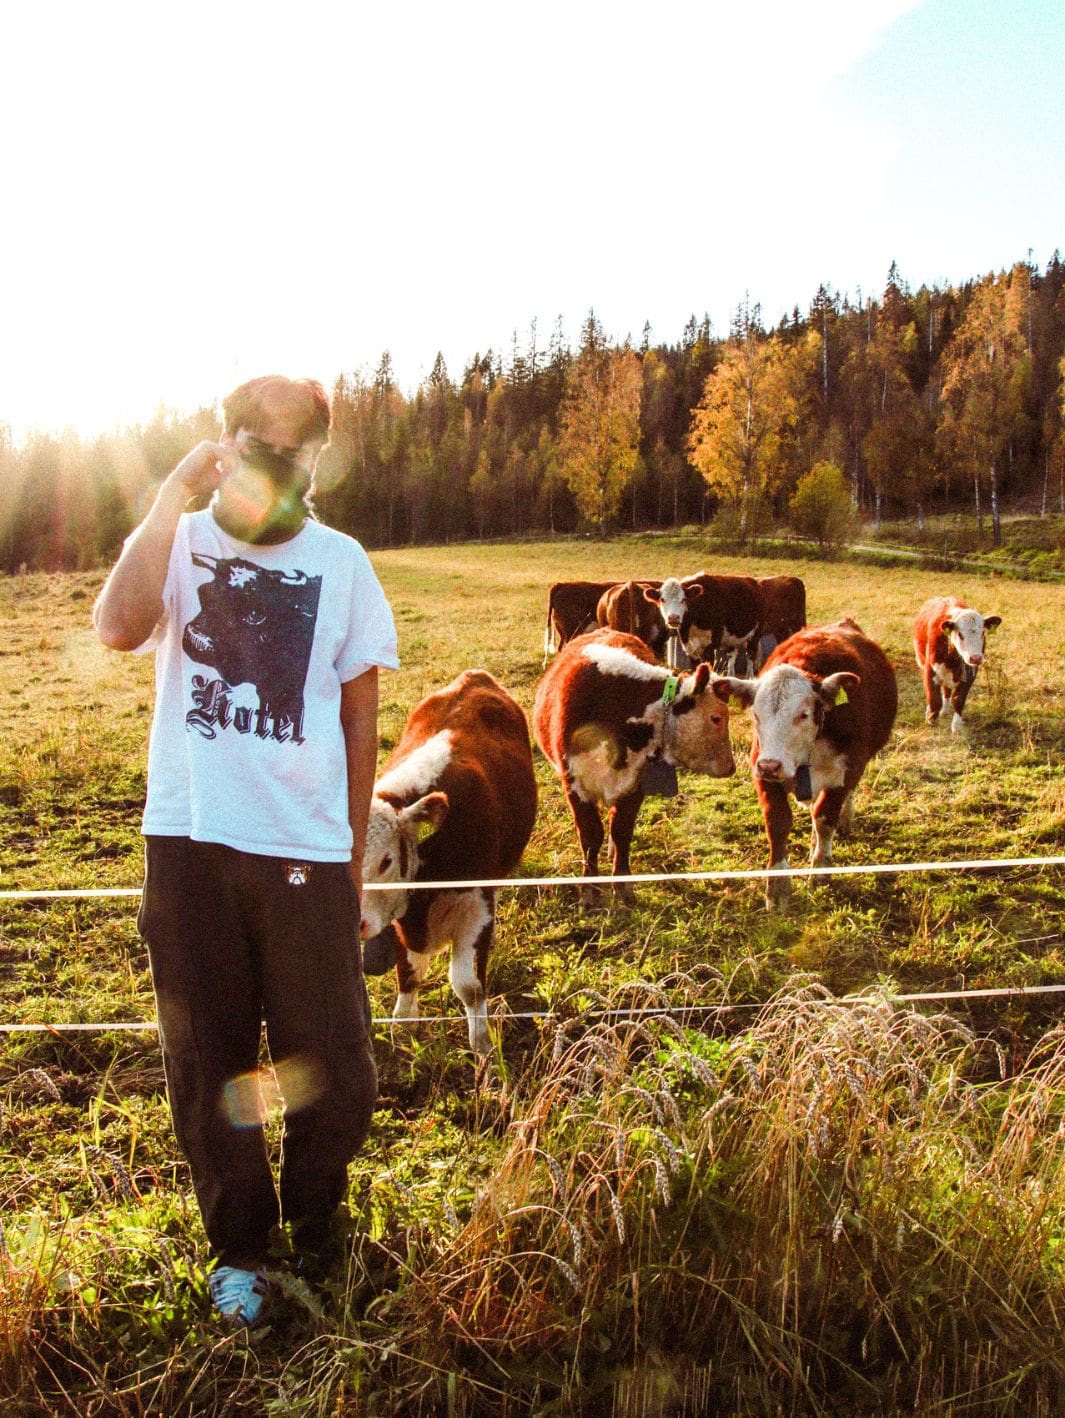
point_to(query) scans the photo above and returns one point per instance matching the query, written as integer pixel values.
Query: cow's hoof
(379, 952)
(592, 898)
(624, 894)
(777, 891)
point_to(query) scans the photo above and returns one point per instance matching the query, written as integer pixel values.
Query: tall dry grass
(838, 1211)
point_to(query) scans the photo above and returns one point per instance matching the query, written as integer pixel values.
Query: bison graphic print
(255, 626)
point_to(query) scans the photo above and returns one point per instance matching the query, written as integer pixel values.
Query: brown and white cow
(462, 773)
(630, 606)
(783, 611)
(603, 710)
(721, 619)
(822, 706)
(571, 607)
(651, 610)
(950, 643)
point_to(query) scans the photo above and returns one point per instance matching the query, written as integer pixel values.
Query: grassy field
(793, 1208)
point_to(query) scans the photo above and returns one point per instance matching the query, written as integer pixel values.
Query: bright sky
(198, 193)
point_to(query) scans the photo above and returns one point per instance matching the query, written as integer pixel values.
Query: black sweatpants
(235, 939)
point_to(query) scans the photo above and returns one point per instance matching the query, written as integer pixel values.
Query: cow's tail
(550, 635)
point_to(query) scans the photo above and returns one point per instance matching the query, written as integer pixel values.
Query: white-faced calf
(651, 610)
(456, 802)
(950, 645)
(822, 706)
(721, 620)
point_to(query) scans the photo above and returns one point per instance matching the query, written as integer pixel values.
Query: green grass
(796, 1210)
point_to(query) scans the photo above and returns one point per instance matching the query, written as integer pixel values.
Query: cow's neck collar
(665, 733)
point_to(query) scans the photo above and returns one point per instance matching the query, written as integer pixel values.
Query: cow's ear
(701, 677)
(838, 688)
(720, 686)
(692, 593)
(744, 690)
(949, 627)
(652, 593)
(992, 622)
(427, 814)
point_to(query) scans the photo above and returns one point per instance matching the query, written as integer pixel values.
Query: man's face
(286, 467)
(272, 478)
(276, 438)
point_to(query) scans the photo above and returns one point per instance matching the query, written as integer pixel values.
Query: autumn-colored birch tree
(599, 427)
(738, 426)
(987, 374)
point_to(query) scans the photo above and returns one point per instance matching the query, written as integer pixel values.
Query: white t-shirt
(246, 746)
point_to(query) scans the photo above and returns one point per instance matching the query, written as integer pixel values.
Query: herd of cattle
(457, 798)
(702, 618)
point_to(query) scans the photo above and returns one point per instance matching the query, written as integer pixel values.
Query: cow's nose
(769, 767)
(674, 622)
(976, 659)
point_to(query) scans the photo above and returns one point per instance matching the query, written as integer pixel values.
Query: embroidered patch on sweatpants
(296, 873)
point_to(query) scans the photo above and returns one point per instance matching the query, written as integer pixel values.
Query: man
(268, 630)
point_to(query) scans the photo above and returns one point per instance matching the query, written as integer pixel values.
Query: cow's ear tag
(425, 830)
(842, 697)
(659, 778)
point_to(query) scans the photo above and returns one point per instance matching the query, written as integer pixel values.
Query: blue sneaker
(238, 1294)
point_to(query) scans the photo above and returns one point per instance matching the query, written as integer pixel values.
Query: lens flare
(331, 469)
(293, 1083)
(251, 495)
(300, 1081)
(249, 1098)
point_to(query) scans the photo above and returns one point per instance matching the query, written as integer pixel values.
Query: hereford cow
(571, 608)
(462, 772)
(949, 641)
(647, 610)
(651, 610)
(605, 709)
(630, 606)
(783, 611)
(722, 618)
(822, 706)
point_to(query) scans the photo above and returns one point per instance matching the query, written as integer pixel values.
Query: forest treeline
(921, 399)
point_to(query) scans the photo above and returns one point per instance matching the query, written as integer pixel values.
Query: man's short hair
(302, 401)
